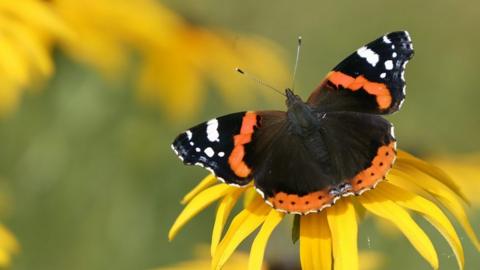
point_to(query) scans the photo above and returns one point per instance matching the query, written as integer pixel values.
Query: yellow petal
(38, 14)
(14, 64)
(8, 241)
(315, 242)
(197, 204)
(202, 261)
(5, 259)
(406, 176)
(385, 208)
(405, 158)
(465, 170)
(8, 246)
(260, 242)
(248, 196)
(342, 221)
(223, 211)
(241, 227)
(209, 180)
(28, 41)
(10, 93)
(430, 211)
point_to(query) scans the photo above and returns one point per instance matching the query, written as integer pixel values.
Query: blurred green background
(89, 177)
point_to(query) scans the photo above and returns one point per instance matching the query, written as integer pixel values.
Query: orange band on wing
(379, 90)
(235, 160)
(302, 204)
(381, 164)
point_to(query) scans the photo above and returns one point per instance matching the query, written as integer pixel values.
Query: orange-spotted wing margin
(360, 150)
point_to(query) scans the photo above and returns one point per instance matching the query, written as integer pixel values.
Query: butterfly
(333, 145)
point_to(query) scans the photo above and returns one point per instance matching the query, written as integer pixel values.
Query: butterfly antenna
(297, 58)
(257, 80)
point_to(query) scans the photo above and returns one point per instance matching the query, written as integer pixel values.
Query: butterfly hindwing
(303, 175)
(362, 148)
(370, 80)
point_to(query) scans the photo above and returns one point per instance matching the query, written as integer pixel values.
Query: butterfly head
(292, 99)
(300, 115)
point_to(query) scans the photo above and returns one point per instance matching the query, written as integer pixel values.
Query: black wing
(350, 153)
(370, 80)
(222, 144)
(362, 147)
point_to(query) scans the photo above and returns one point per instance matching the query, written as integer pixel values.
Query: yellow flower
(8, 246)
(238, 261)
(467, 170)
(177, 60)
(329, 238)
(27, 28)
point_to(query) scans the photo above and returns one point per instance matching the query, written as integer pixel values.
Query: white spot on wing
(197, 149)
(176, 152)
(408, 35)
(386, 39)
(403, 70)
(389, 64)
(368, 54)
(192, 143)
(383, 75)
(209, 152)
(394, 54)
(189, 134)
(212, 130)
(221, 154)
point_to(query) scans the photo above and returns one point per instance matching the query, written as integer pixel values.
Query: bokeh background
(93, 92)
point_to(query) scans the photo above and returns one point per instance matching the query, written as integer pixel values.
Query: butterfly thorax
(302, 118)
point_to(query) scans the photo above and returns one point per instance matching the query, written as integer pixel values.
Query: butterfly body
(302, 119)
(305, 158)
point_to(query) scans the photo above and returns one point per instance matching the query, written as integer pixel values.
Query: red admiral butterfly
(335, 144)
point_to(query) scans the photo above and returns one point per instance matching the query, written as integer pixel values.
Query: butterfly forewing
(370, 80)
(210, 144)
(223, 145)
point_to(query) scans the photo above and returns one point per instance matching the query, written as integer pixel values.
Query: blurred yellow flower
(329, 238)
(177, 60)
(238, 261)
(26, 30)
(372, 260)
(8, 246)
(466, 169)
